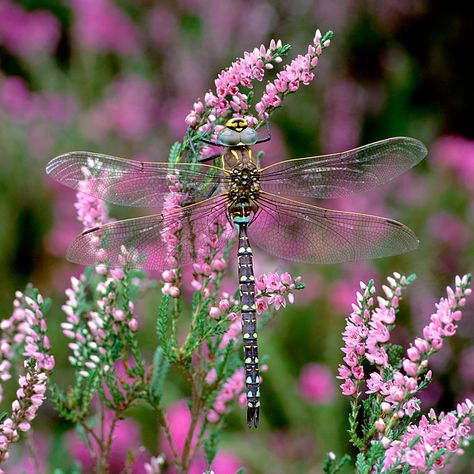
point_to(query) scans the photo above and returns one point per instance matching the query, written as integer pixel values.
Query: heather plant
(87, 74)
(110, 370)
(384, 382)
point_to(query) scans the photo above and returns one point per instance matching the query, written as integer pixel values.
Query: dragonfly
(266, 202)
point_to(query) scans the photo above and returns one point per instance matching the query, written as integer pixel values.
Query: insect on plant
(257, 200)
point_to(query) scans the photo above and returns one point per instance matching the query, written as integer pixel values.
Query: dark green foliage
(395, 354)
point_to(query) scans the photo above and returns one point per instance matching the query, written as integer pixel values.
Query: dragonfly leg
(204, 159)
(249, 326)
(269, 134)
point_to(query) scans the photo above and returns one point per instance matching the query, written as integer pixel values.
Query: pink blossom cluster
(171, 233)
(420, 446)
(209, 249)
(367, 333)
(42, 26)
(367, 338)
(289, 80)
(273, 289)
(89, 331)
(25, 328)
(232, 388)
(225, 304)
(233, 332)
(227, 95)
(91, 211)
(399, 391)
(209, 241)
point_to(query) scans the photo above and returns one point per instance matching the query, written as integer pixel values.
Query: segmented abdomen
(249, 324)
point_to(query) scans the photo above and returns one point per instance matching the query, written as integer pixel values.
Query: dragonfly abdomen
(249, 324)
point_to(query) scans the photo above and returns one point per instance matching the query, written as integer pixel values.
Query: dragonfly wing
(341, 174)
(131, 183)
(148, 240)
(304, 233)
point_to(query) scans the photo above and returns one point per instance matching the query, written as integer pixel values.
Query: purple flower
(128, 110)
(27, 33)
(101, 26)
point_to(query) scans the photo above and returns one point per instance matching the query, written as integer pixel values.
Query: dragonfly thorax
(244, 184)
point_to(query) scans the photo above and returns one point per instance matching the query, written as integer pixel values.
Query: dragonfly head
(237, 123)
(237, 133)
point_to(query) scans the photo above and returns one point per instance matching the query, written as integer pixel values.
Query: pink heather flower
(348, 387)
(90, 210)
(288, 80)
(315, 384)
(232, 334)
(25, 328)
(272, 289)
(421, 443)
(229, 97)
(231, 389)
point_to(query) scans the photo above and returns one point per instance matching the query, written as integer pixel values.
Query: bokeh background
(120, 76)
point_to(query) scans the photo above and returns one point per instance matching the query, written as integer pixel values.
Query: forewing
(341, 174)
(148, 239)
(131, 183)
(304, 233)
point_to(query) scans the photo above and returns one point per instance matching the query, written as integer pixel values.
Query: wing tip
(422, 149)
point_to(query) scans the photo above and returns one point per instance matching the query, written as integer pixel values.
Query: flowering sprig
(24, 333)
(388, 439)
(272, 289)
(432, 442)
(233, 92)
(298, 72)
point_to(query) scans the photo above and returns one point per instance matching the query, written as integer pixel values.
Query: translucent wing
(131, 183)
(303, 233)
(148, 239)
(340, 174)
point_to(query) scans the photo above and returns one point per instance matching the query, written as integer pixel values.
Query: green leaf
(211, 444)
(411, 278)
(361, 464)
(327, 36)
(160, 370)
(174, 152)
(162, 325)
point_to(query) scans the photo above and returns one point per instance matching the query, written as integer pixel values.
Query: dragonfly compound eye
(228, 137)
(249, 136)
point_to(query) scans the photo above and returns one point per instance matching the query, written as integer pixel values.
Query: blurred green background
(119, 77)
